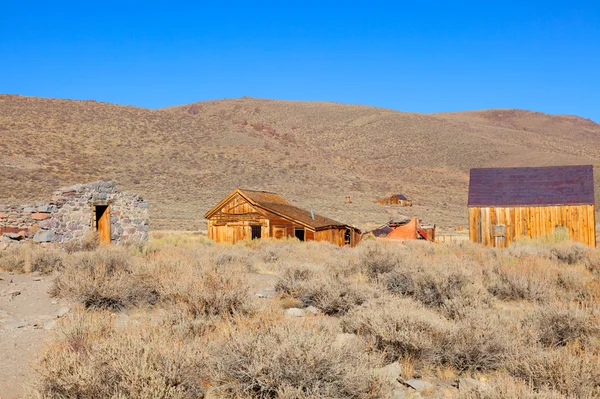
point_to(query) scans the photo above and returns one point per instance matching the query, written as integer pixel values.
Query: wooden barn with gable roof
(247, 214)
(510, 203)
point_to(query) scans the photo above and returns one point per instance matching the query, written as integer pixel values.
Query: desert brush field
(183, 317)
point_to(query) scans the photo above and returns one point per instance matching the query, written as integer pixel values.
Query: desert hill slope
(186, 158)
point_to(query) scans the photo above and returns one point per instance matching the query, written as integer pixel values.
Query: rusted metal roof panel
(552, 185)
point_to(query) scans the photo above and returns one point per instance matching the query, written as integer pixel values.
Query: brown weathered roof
(553, 185)
(275, 203)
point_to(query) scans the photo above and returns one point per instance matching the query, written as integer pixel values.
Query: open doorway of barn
(102, 222)
(299, 234)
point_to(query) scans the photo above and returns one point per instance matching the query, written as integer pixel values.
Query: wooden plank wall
(232, 223)
(531, 222)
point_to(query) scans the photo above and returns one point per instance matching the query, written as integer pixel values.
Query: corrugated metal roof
(401, 197)
(552, 185)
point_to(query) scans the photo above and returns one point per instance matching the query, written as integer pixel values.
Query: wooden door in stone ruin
(103, 222)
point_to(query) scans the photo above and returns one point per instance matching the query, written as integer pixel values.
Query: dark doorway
(102, 222)
(348, 237)
(256, 232)
(299, 234)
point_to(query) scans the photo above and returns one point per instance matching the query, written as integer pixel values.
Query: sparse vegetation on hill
(185, 159)
(180, 319)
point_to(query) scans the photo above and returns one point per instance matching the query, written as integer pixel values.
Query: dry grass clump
(529, 279)
(115, 278)
(106, 278)
(216, 286)
(568, 370)
(290, 359)
(556, 247)
(90, 358)
(29, 258)
(560, 325)
(506, 387)
(331, 293)
(402, 328)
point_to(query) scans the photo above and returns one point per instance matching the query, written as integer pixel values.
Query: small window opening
(299, 234)
(256, 232)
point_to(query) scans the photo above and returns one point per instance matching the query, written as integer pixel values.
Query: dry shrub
(332, 293)
(561, 250)
(290, 359)
(505, 387)
(441, 286)
(478, 342)
(530, 279)
(567, 370)
(400, 327)
(559, 325)
(204, 290)
(403, 328)
(90, 241)
(29, 258)
(12, 261)
(592, 261)
(47, 260)
(89, 358)
(375, 259)
(105, 278)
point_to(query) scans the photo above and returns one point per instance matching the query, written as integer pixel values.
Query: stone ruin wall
(68, 216)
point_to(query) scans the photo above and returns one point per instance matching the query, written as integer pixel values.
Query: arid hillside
(185, 159)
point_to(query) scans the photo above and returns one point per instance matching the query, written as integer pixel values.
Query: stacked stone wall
(68, 216)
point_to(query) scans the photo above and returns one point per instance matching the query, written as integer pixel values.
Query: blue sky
(422, 56)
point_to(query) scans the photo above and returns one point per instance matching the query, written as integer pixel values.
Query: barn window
(299, 234)
(256, 232)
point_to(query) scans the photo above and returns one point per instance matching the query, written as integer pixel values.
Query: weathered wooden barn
(396, 199)
(509, 203)
(247, 214)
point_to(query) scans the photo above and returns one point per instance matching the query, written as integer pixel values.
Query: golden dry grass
(438, 309)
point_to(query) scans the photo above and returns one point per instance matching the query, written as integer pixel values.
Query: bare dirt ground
(27, 316)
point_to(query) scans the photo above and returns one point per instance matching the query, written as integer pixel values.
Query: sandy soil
(27, 316)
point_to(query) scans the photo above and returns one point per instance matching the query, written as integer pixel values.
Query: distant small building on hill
(396, 199)
(116, 216)
(510, 203)
(247, 214)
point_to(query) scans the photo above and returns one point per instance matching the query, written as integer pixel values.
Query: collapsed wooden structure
(509, 203)
(410, 229)
(248, 214)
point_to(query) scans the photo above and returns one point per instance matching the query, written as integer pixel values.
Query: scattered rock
(15, 325)
(312, 310)
(294, 312)
(37, 279)
(468, 383)
(62, 311)
(51, 325)
(266, 293)
(419, 385)
(344, 339)
(389, 373)
(14, 293)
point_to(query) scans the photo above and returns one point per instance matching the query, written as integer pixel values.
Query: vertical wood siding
(500, 226)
